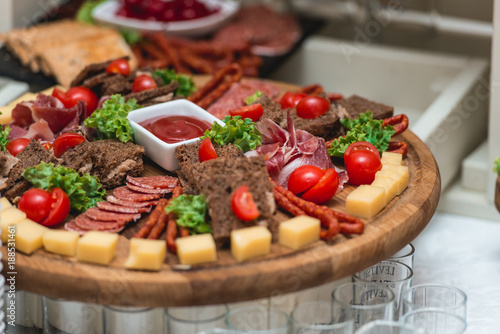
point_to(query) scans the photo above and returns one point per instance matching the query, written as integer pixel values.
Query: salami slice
(148, 190)
(71, 226)
(134, 196)
(154, 182)
(108, 216)
(84, 222)
(130, 204)
(107, 206)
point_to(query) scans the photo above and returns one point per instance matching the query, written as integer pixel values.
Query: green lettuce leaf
(252, 98)
(237, 131)
(83, 191)
(496, 165)
(111, 120)
(4, 135)
(186, 84)
(84, 13)
(191, 212)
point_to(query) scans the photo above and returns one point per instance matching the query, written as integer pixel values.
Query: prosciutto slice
(286, 150)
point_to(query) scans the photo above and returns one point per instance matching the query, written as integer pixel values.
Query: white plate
(106, 13)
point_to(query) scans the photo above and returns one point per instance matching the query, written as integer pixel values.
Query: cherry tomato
(206, 151)
(304, 178)
(59, 209)
(17, 145)
(73, 95)
(362, 166)
(243, 205)
(47, 146)
(119, 66)
(36, 203)
(143, 82)
(312, 107)
(253, 111)
(360, 145)
(290, 100)
(65, 141)
(325, 189)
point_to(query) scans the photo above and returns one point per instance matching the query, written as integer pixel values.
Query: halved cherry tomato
(290, 100)
(74, 94)
(243, 205)
(119, 66)
(360, 145)
(253, 111)
(312, 107)
(304, 178)
(325, 189)
(143, 82)
(17, 145)
(65, 141)
(48, 208)
(206, 151)
(362, 166)
(47, 146)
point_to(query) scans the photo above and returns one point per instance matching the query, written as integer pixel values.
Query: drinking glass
(369, 301)
(320, 317)
(405, 255)
(65, 316)
(389, 327)
(258, 320)
(22, 308)
(194, 319)
(435, 321)
(131, 319)
(445, 297)
(220, 331)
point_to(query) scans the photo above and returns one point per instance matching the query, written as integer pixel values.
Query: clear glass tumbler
(258, 319)
(321, 317)
(132, 319)
(436, 321)
(194, 319)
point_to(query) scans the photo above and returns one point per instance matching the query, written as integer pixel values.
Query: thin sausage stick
(158, 228)
(285, 204)
(398, 147)
(163, 43)
(399, 122)
(152, 219)
(183, 232)
(171, 235)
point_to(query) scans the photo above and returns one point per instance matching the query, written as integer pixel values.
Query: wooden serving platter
(226, 280)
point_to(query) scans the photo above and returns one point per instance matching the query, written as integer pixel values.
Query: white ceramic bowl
(156, 149)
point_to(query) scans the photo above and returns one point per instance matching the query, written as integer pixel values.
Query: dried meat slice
(71, 226)
(107, 206)
(108, 216)
(128, 194)
(148, 190)
(154, 182)
(130, 204)
(84, 222)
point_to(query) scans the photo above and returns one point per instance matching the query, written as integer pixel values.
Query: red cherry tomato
(36, 203)
(312, 107)
(59, 209)
(304, 178)
(65, 141)
(290, 100)
(325, 189)
(206, 151)
(362, 166)
(119, 66)
(143, 82)
(17, 145)
(360, 145)
(73, 95)
(243, 205)
(47, 146)
(253, 111)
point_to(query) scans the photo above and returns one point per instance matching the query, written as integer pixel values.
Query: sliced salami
(108, 216)
(134, 196)
(71, 226)
(154, 182)
(107, 206)
(148, 190)
(84, 222)
(130, 204)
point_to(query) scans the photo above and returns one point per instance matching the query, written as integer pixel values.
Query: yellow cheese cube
(196, 249)
(392, 158)
(8, 217)
(390, 186)
(250, 242)
(61, 242)
(4, 204)
(29, 236)
(298, 232)
(97, 247)
(400, 173)
(365, 201)
(146, 254)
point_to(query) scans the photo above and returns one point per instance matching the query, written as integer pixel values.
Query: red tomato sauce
(174, 129)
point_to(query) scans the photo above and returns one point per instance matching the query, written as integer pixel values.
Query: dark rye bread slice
(91, 71)
(219, 178)
(151, 93)
(78, 157)
(272, 109)
(355, 105)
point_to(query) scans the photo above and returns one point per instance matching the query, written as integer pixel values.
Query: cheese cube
(250, 242)
(146, 254)
(8, 217)
(97, 247)
(365, 201)
(392, 158)
(400, 173)
(390, 186)
(29, 236)
(298, 232)
(4, 204)
(196, 249)
(61, 242)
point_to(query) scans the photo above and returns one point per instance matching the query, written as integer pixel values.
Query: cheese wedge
(9, 217)
(29, 236)
(97, 247)
(365, 201)
(146, 254)
(196, 249)
(392, 158)
(390, 185)
(4, 204)
(400, 173)
(61, 242)
(298, 232)
(250, 242)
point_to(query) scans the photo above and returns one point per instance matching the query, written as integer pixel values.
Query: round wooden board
(226, 280)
